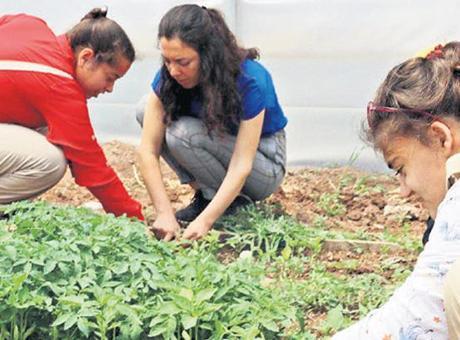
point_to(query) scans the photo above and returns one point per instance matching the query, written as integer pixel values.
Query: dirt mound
(337, 198)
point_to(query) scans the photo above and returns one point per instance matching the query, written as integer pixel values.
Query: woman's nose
(109, 88)
(405, 191)
(174, 70)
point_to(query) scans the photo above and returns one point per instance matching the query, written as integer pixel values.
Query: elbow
(246, 171)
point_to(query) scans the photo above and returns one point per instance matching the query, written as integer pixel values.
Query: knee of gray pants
(140, 109)
(182, 134)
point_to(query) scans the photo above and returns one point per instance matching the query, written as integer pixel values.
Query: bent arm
(65, 111)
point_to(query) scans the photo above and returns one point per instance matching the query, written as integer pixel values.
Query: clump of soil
(336, 198)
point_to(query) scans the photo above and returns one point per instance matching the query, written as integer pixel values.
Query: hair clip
(435, 53)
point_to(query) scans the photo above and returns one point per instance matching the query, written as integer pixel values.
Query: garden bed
(326, 248)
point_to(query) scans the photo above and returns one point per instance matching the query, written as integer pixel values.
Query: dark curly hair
(205, 30)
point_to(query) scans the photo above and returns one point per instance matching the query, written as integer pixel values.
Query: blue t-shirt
(257, 91)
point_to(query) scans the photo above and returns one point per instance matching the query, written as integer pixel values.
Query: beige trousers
(452, 300)
(29, 164)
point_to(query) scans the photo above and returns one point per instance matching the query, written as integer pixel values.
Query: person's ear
(443, 136)
(84, 56)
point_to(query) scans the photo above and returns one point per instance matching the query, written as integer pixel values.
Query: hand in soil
(196, 230)
(166, 227)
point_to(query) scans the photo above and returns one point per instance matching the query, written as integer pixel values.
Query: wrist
(205, 220)
(165, 212)
(163, 207)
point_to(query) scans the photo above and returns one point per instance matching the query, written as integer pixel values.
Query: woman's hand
(166, 227)
(196, 230)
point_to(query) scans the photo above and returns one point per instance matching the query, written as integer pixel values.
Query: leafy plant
(68, 273)
(331, 204)
(86, 275)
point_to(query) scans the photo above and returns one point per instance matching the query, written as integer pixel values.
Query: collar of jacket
(453, 169)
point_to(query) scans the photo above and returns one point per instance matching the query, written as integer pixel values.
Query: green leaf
(205, 294)
(135, 266)
(88, 312)
(185, 335)
(146, 275)
(158, 320)
(11, 252)
(60, 320)
(186, 293)
(335, 317)
(121, 268)
(19, 279)
(49, 267)
(27, 267)
(72, 320)
(286, 253)
(159, 330)
(168, 308)
(73, 299)
(270, 325)
(83, 326)
(129, 312)
(189, 321)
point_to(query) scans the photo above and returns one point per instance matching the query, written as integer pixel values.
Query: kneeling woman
(213, 115)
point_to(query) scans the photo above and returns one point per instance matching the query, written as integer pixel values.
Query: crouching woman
(214, 116)
(45, 80)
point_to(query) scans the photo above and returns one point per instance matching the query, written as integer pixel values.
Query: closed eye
(183, 63)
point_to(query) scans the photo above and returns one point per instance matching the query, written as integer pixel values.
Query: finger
(189, 235)
(169, 236)
(159, 233)
(185, 243)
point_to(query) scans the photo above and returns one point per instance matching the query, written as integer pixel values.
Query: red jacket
(34, 99)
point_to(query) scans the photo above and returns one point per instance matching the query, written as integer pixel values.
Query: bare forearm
(227, 192)
(151, 172)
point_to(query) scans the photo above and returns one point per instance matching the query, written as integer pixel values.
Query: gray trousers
(197, 156)
(29, 164)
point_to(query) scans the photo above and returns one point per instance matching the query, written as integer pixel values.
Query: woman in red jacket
(45, 81)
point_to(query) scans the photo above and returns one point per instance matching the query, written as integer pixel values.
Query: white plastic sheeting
(327, 58)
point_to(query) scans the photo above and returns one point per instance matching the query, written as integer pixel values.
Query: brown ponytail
(103, 35)
(96, 13)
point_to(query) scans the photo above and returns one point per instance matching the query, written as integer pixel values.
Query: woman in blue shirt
(214, 116)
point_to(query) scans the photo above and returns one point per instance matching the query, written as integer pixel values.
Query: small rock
(93, 205)
(354, 215)
(379, 202)
(401, 212)
(246, 254)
